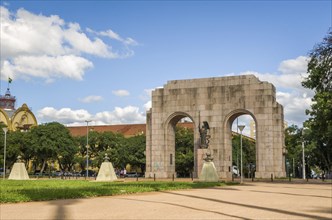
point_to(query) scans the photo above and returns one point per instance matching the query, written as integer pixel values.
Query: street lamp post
(87, 147)
(241, 127)
(5, 129)
(303, 158)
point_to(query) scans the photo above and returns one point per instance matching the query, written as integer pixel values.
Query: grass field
(13, 191)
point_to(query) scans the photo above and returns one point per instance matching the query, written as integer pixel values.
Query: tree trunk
(43, 167)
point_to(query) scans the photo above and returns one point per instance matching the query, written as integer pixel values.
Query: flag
(10, 80)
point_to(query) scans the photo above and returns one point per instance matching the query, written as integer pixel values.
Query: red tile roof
(127, 130)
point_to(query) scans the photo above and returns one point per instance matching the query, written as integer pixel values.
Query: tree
(136, 147)
(293, 139)
(248, 152)
(320, 114)
(52, 141)
(19, 144)
(184, 151)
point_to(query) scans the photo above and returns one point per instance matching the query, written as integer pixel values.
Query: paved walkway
(248, 201)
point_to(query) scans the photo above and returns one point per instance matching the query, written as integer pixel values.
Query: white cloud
(146, 96)
(91, 98)
(112, 35)
(64, 115)
(126, 115)
(148, 105)
(290, 92)
(121, 92)
(294, 107)
(67, 116)
(35, 45)
(47, 67)
(291, 73)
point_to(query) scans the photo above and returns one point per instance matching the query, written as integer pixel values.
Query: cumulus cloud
(291, 73)
(35, 45)
(91, 98)
(64, 115)
(146, 96)
(148, 105)
(112, 35)
(291, 94)
(121, 92)
(294, 107)
(70, 117)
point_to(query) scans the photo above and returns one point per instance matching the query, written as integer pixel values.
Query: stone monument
(106, 171)
(219, 101)
(209, 171)
(18, 171)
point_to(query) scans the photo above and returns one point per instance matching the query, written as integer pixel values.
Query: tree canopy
(320, 114)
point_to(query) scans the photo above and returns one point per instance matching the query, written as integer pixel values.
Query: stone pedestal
(18, 172)
(106, 171)
(209, 171)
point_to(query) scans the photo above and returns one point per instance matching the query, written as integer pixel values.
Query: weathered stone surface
(18, 172)
(106, 172)
(209, 172)
(219, 101)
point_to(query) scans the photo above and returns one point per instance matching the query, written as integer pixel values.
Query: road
(255, 200)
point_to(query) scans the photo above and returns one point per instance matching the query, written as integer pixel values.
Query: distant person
(124, 173)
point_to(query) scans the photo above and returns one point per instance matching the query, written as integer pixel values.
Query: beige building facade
(217, 102)
(21, 119)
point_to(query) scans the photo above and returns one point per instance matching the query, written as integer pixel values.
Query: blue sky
(76, 60)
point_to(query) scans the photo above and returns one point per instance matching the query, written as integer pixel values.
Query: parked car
(235, 170)
(58, 173)
(38, 173)
(90, 173)
(134, 174)
(77, 174)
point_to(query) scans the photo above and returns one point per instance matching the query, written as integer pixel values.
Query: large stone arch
(169, 153)
(228, 121)
(217, 101)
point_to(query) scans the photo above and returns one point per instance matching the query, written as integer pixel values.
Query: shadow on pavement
(301, 215)
(188, 207)
(61, 212)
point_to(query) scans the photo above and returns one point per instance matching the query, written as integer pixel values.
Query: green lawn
(13, 191)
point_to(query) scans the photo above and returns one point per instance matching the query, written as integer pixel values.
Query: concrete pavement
(249, 201)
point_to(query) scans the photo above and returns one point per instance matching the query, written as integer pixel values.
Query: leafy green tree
(184, 151)
(52, 141)
(320, 114)
(248, 152)
(19, 144)
(293, 139)
(136, 148)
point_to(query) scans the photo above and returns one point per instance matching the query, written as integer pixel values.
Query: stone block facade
(219, 101)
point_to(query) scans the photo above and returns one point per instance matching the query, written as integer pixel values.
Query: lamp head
(241, 127)
(5, 129)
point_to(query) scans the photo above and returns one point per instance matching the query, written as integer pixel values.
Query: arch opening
(234, 122)
(180, 152)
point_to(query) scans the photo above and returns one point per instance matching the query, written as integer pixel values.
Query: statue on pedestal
(205, 137)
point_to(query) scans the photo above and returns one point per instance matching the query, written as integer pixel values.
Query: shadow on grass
(59, 189)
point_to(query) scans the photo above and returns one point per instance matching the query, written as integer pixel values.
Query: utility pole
(87, 148)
